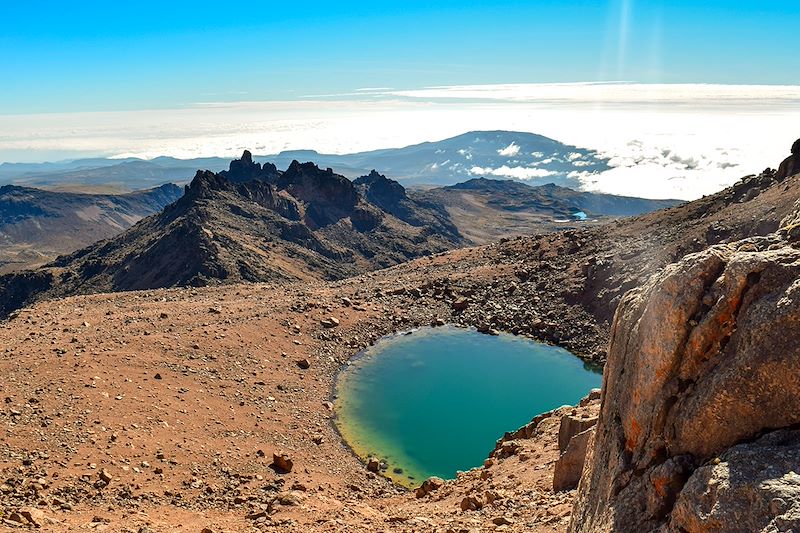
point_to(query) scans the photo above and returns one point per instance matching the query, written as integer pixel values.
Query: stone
(329, 322)
(282, 462)
(105, 476)
(593, 395)
(572, 425)
(569, 466)
(305, 364)
(460, 304)
(34, 516)
(429, 485)
(373, 464)
(471, 503)
(752, 487)
(702, 357)
(502, 521)
(791, 165)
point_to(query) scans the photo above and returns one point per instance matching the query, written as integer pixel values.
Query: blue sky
(98, 56)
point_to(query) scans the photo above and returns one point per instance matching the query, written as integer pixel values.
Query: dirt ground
(161, 411)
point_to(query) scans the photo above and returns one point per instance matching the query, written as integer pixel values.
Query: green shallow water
(434, 402)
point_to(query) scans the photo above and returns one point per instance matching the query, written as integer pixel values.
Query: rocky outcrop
(751, 487)
(703, 357)
(569, 466)
(249, 224)
(391, 197)
(245, 169)
(574, 434)
(791, 165)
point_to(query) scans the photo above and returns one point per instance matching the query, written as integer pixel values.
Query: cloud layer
(678, 141)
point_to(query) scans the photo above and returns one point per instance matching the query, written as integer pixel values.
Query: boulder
(751, 487)
(572, 425)
(460, 304)
(429, 485)
(34, 516)
(569, 465)
(329, 322)
(702, 357)
(373, 464)
(282, 462)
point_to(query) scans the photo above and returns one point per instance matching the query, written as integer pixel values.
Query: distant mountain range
(494, 154)
(37, 225)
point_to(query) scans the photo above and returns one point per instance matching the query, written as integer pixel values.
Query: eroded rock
(752, 487)
(702, 357)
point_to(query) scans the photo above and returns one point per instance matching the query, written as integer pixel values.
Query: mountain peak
(245, 169)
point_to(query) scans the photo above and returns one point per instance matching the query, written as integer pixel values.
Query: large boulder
(753, 487)
(703, 357)
(569, 465)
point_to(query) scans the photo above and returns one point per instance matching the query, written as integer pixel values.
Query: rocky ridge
(251, 223)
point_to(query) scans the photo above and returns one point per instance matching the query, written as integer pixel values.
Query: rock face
(251, 223)
(703, 357)
(574, 435)
(753, 487)
(570, 463)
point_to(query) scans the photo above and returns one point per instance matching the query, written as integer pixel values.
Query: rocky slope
(250, 223)
(37, 225)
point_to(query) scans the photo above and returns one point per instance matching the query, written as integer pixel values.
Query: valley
(38, 225)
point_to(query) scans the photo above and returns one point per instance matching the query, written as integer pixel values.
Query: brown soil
(183, 395)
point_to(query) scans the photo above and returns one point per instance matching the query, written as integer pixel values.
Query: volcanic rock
(703, 357)
(282, 462)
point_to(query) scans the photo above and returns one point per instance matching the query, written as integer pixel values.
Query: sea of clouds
(663, 141)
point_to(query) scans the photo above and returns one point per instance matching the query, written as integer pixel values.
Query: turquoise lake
(435, 401)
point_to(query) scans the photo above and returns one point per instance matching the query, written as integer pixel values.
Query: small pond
(435, 401)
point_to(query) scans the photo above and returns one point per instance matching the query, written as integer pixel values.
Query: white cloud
(678, 141)
(509, 151)
(608, 92)
(520, 173)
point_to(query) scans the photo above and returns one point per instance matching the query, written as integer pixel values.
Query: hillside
(38, 225)
(486, 210)
(250, 223)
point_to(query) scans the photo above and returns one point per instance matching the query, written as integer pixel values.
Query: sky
(110, 56)
(713, 84)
